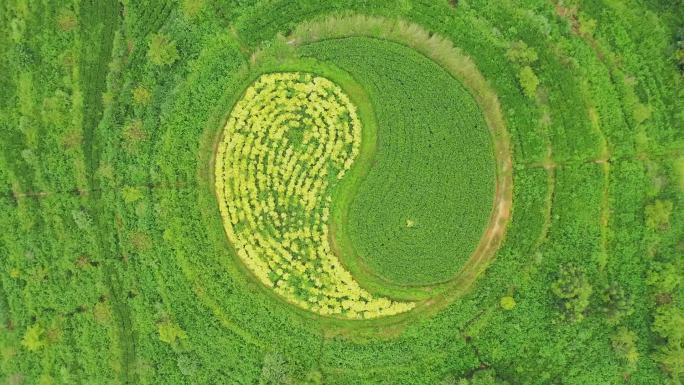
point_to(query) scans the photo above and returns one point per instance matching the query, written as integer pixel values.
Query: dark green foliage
(616, 303)
(573, 290)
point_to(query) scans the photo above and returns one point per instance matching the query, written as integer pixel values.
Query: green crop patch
(421, 210)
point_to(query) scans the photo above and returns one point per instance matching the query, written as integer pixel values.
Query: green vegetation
(433, 167)
(555, 256)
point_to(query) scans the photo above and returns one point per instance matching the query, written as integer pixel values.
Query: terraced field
(339, 192)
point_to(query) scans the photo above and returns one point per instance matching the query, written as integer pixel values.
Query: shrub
(162, 51)
(33, 338)
(658, 214)
(624, 344)
(616, 302)
(573, 290)
(521, 54)
(507, 303)
(141, 95)
(170, 332)
(528, 81)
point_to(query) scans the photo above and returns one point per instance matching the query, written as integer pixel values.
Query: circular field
(281, 192)
(409, 220)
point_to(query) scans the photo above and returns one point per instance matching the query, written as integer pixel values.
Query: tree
(191, 7)
(528, 81)
(507, 303)
(314, 377)
(669, 323)
(187, 364)
(616, 302)
(573, 289)
(520, 53)
(664, 277)
(678, 170)
(641, 112)
(141, 95)
(624, 344)
(479, 377)
(82, 220)
(672, 359)
(162, 51)
(486, 377)
(170, 332)
(658, 214)
(587, 26)
(33, 338)
(102, 313)
(66, 20)
(131, 194)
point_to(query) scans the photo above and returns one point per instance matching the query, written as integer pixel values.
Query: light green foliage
(162, 50)
(191, 8)
(658, 214)
(187, 365)
(528, 81)
(678, 170)
(67, 20)
(131, 194)
(507, 303)
(274, 370)
(664, 277)
(521, 54)
(170, 332)
(34, 338)
(624, 343)
(82, 219)
(141, 95)
(672, 358)
(587, 26)
(641, 112)
(669, 323)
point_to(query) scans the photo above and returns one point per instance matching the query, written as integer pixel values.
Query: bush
(616, 302)
(528, 81)
(507, 303)
(162, 51)
(521, 54)
(658, 214)
(624, 344)
(573, 290)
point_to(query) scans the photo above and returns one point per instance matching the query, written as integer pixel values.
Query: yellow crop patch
(287, 142)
